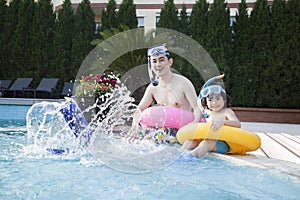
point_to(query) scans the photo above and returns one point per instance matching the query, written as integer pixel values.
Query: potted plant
(94, 90)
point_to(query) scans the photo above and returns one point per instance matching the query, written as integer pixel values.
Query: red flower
(113, 82)
(98, 77)
(87, 78)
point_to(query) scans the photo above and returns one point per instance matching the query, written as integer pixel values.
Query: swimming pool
(81, 176)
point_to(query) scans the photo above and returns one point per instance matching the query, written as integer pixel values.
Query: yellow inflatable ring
(239, 140)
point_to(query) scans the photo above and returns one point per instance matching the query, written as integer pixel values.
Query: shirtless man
(168, 89)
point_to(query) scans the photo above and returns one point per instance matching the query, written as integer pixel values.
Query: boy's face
(215, 102)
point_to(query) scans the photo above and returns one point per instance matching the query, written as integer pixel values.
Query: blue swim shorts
(222, 147)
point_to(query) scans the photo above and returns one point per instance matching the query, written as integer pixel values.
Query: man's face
(160, 64)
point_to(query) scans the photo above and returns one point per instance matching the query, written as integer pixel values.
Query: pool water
(81, 176)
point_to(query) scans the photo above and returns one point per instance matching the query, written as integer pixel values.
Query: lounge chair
(4, 85)
(67, 90)
(18, 87)
(45, 90)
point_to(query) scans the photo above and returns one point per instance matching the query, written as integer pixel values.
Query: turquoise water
(82, 177)
(40, 175)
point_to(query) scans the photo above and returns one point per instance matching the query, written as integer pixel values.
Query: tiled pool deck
(280, 148)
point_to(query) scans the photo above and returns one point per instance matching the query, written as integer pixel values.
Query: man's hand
(133, 135)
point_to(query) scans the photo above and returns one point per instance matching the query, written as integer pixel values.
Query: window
(141, 22)
(97, 28)
(157, 18)
(232, 20)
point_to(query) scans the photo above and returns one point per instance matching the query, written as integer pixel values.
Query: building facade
(148, 13)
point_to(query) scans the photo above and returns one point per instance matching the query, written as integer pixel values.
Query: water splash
(102, 137)
(46, 128)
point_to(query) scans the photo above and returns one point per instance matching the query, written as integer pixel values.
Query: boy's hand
(215, 125)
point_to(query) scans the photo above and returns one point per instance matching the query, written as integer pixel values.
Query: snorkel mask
(213, 89)
(156, 51)
(207, 90)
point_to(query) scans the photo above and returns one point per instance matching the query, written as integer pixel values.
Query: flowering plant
(97, 85)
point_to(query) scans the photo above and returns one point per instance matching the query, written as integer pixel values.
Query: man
(167, 88)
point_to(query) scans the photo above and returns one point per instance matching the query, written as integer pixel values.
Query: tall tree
(184, 21)
(84, 29)
(20, 44)
(292, 83)
(42, 39)
(169, 16)
(127, 14)
(241, 50)
(199, 21)
(261, 52)
(62, 44)
(10, 24)
(279, 68)
(109, 16)
(3, 10)
(219, 36)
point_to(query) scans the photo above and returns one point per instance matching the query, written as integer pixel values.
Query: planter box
(270, 115)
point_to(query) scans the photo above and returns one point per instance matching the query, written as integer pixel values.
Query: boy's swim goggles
(212, 89)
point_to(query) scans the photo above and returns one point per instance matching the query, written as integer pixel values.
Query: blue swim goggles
(212, 89)
(207, 89)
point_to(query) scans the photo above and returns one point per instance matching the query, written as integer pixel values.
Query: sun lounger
(45, 90)
(18, 88)
(4, 85)
(67, 90)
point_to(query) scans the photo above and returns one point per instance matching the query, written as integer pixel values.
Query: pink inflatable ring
(165, 116)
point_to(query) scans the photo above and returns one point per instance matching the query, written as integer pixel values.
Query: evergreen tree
(291, 90)
(261, 52)
(3, 9)
(42, 40)
(184, 22)
(279, 68)
(169, 16)
(84, 29)
(10, 24)
(241, 50)
(127, 14)
(20, 44)
(219, 37)
(199, 21)
(109, 16)
(62, 44)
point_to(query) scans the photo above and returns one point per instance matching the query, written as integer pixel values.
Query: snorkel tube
(206, 84)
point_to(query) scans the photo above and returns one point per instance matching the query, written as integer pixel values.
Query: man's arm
(192, 98)
(144, 103)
